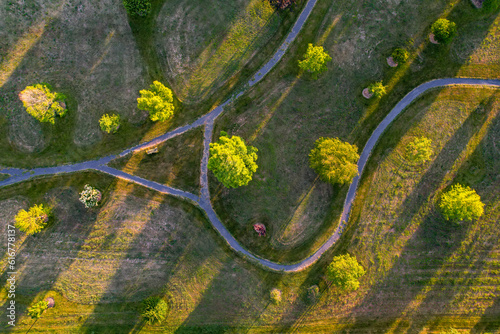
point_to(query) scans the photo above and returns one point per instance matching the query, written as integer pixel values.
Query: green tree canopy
(377, 89)
(461, 203)
(344, 272)
(41, 103)
(275, 296)
(400, 55)
(314, 60)
(33, 220)
(334, 160)
(443, 30)
(231, 161)
(419, 150)
(137, 7)
(110, 123)
(36, 310)
(154, 310)
(158, 101)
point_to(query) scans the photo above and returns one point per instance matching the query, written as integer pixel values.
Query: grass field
(288, 110)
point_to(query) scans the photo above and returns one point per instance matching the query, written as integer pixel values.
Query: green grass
(288, 111)
(177, 163)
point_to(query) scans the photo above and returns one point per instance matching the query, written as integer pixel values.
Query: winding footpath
(207, 121)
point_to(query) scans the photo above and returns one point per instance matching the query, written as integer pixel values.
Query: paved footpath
(203, 198)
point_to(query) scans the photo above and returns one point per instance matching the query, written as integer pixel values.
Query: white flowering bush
(90, 196)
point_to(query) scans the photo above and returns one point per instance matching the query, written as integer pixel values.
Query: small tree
(231, 161)
(137, 7)
(377, 89)
(314, 60)
(281, 4)
(90, 196)
(154, 310)
(110, 123)
(41, 103)
(344, 272)
(313, 294)
(334, 160)
(419, 150)
(36, 310)
(461, 203)
(33, 220)
(400, 55)
(443, 30)
(158, 101)
(275, 296)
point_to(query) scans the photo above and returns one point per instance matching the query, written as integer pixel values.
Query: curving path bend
(203, 199)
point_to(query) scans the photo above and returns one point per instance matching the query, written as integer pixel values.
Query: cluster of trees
(43, 103)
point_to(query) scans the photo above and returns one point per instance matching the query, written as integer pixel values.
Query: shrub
(443, 30)
(314, 60)
(461, 203)
(491, 5)
(313, 294)
(154, 310)
(419, 150)
(41, 103)
(231, 161)
(334, 160)
(33, 220)
(275, 296)
(90, 196)
(36, 310)
(344, 272)
(377, 89)
(400, 55)
(137, 7)
(158, 101)
(110, 123)
(281, 4)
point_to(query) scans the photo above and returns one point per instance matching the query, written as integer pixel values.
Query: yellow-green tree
(461, 203)
(37, 309)
(334, 160)
(41, 103)
(377, 89)
(315, 60)
(344, 272)
(158, 101)
(110, 123)
(33, 220)
(154, 310)
(419, 150)
(231, 161)
(443, 30)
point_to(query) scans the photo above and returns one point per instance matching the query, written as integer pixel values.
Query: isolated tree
(42, 103)
(154, 310)
(377, 89)
(110, 123)
(419, 150)
(231, 161)
(443, 30)
(344, 272)
(281, 4)
(275, 296)
(137, 7)
(400, 55)
(90, 196)
(334, 160)
(33, 220)
(314, 60)
(461, 203)
(37, 309)
(158, 101)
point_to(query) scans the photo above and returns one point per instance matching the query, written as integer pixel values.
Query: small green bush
(377, 89)
(90, 196)
(110, 123)
(443, 30)
(137, 7)
(33, 220)
(154, 310)
(275, 296)
(42, 103)
(400, 55)
(36, 310)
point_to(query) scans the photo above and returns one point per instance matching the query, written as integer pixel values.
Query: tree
(36, 310)
(110, 123)
(344, 272)
(443, 30)
(313, 294)
(334, 160)
(33, 220)
(137, 7)
(41, 103)
(281, 4)
(275, 296)
(231, 161)
(419, 150)
(377, 89)
(154, 310)
(158, 101)
(314, 60)
(400, 55)
(461, 203)
(90, 196)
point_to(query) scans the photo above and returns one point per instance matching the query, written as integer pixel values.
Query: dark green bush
(137, 7)
(443, 30)
(400, 55)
